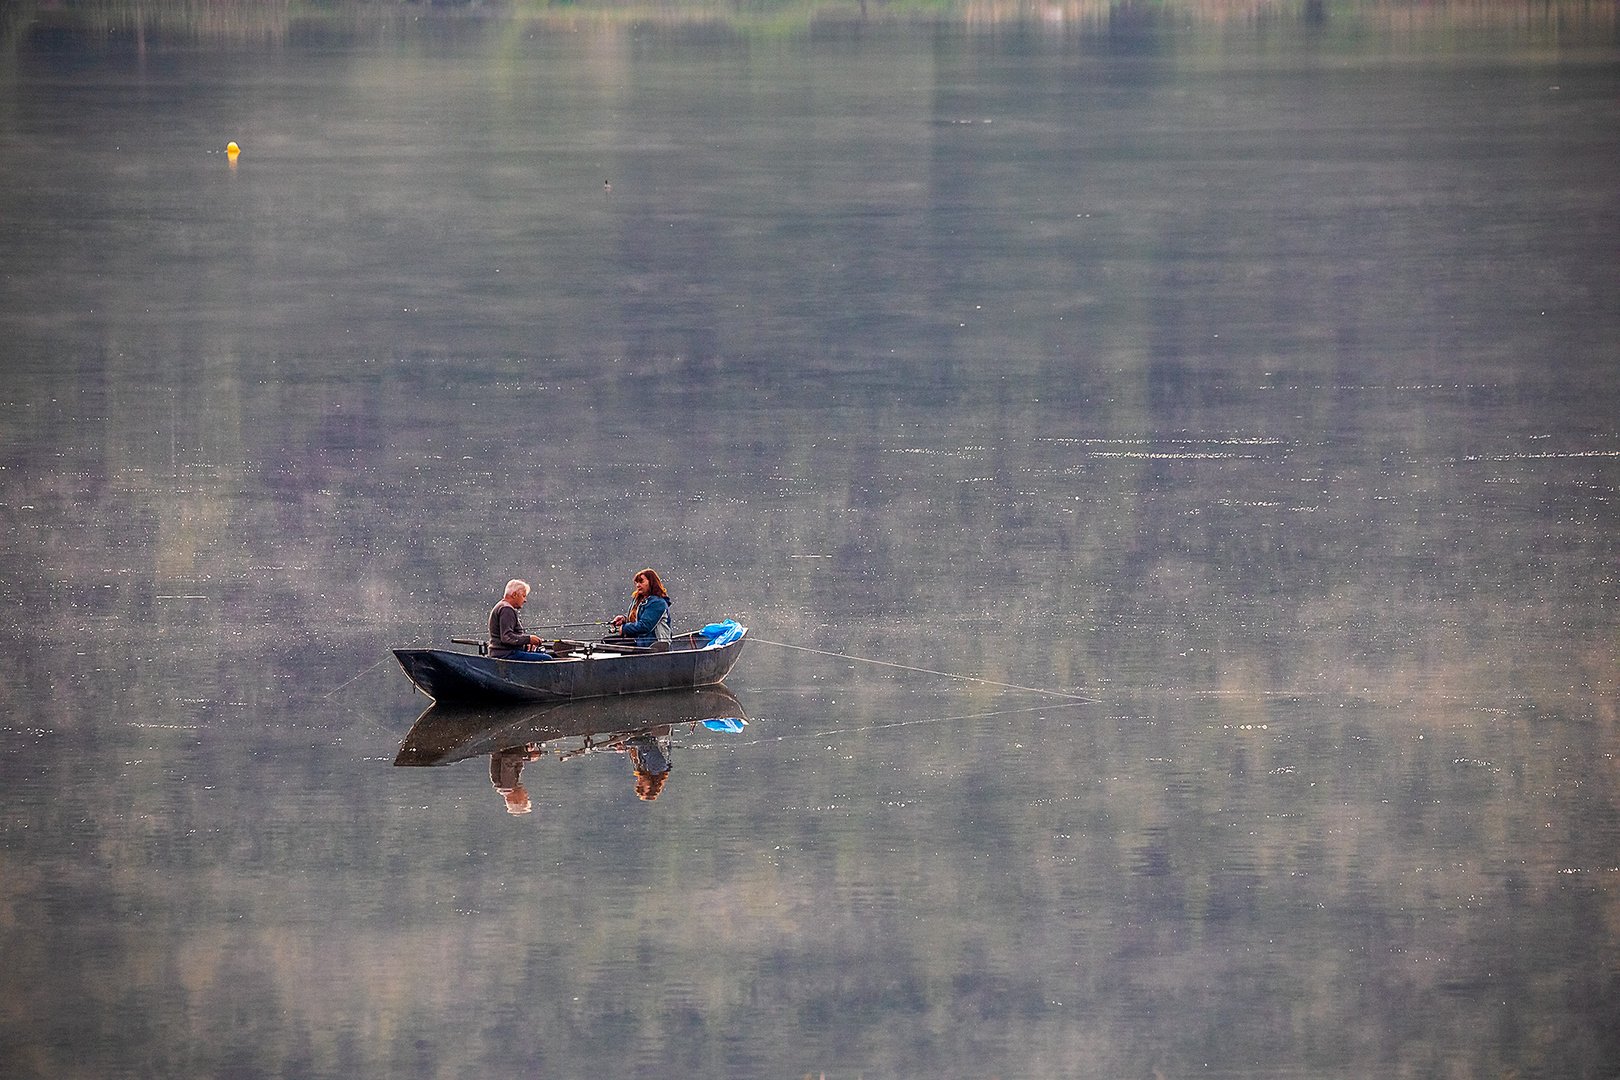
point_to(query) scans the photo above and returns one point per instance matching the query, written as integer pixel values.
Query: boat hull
(447, 676)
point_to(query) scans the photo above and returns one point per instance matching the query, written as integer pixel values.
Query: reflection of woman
(649, 756)
(651, 761)
(505, 768)
(648, 620)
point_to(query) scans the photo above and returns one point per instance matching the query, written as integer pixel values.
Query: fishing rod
(930, 671)
(531, 629)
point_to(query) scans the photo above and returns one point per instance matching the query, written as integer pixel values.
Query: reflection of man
(505, 768)
(507, 638)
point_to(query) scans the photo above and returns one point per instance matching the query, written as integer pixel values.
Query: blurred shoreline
(1561, 24)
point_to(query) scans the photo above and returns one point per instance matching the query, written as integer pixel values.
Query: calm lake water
(1167, 462)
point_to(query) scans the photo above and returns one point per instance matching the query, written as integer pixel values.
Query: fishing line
(877, 727)
(357, 678)
(931, 671)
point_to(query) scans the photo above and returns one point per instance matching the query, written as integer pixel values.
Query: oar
(600, 646)
(728, 724)
(603, 646)
(561, 643)
(483, 645)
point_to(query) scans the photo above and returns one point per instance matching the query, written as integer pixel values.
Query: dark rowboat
(691, 661)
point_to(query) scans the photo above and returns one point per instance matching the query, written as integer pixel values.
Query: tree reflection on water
(1229, 389)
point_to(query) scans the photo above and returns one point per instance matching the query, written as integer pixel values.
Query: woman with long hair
(647, 622)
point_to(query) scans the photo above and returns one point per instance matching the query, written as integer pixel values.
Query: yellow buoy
(232, 149)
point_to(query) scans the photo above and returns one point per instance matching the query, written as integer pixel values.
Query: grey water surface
(1167, 465)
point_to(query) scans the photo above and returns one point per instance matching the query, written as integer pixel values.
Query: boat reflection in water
(639, 726)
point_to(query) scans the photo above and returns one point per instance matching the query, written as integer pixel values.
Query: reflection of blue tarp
(722, 633)
(728, 723)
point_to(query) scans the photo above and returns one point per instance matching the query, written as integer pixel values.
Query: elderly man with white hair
(507, 638)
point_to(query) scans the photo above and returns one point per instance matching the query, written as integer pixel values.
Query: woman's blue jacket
(649, 622)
